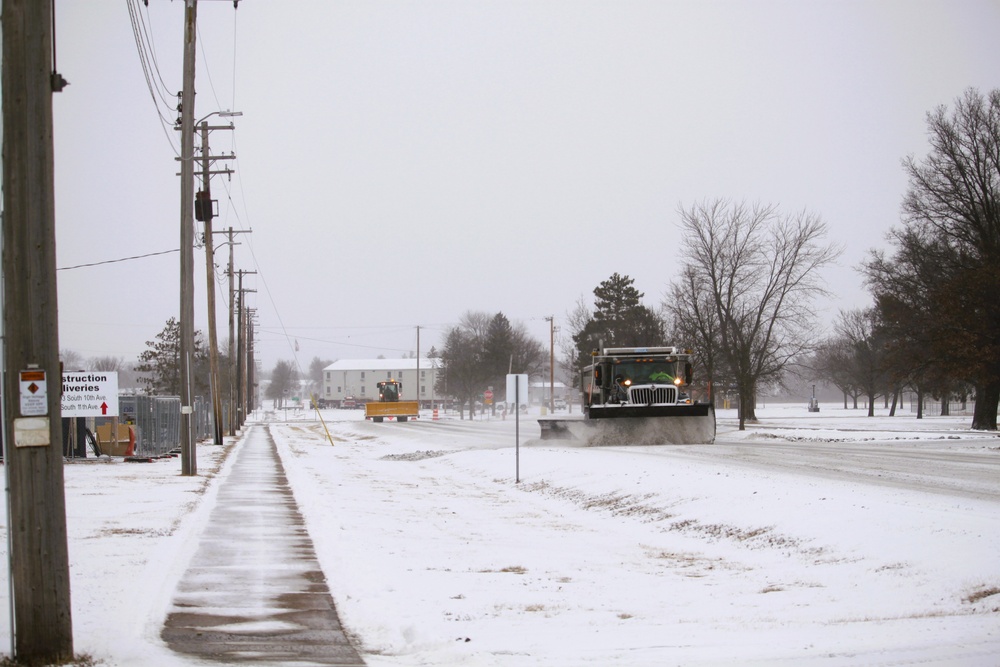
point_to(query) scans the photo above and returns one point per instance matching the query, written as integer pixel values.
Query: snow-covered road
(843, 547)
(916, 465)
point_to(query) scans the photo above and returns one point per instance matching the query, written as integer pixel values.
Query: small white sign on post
(517, 389)
(90, 394)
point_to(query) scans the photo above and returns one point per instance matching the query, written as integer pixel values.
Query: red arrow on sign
(104, 408)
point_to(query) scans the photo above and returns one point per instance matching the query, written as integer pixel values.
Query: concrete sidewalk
(254, 592)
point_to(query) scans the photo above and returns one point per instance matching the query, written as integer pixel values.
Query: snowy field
(809, 539)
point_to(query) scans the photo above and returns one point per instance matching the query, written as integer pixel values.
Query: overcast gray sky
(401, 163)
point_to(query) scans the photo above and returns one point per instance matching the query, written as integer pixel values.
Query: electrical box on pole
(205, 208)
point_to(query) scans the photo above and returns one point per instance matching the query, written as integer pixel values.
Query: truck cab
(389, 391)
(637, 376)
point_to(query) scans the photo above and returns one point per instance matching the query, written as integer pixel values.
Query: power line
(115, 261)
(147, 59)
(144, 36)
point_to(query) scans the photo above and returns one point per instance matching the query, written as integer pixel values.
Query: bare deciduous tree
(316, 367)
(865, 360)
(464, 373)
(480, 351)
(108, 363)
(575, 322)
(284, 382)
(832, 363)
(756, 272)
(71, 360)
(694, 321)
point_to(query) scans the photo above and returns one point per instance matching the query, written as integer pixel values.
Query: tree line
(747, 278)
(935, 323)
(480, 352)
(749, 275)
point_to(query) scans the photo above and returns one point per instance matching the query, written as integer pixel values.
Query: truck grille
(651, 395)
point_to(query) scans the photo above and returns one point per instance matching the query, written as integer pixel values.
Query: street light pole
(206, 215)
(205, 197)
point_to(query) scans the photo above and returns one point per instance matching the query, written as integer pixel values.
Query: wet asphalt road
(255, 593)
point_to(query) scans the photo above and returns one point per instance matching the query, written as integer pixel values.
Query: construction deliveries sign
(90, 394)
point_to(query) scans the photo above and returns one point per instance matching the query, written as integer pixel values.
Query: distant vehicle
(389, 405)
(348, 403)
(559, 404)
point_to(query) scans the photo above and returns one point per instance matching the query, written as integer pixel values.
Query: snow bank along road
(804, 542)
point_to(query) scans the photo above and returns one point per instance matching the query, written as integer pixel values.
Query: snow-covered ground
(810, 539)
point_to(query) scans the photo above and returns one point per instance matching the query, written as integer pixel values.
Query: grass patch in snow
(138, 532)
(617, 504)
(510, 569)
(982, 594)
(413, 456)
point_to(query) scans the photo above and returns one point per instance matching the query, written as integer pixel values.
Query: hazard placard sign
(34, 393)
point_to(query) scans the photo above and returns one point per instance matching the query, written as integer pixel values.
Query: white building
(357, 378)
(538, 392)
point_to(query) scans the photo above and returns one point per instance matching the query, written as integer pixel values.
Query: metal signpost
(515, 383)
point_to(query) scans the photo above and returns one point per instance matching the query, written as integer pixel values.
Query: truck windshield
(657, 372)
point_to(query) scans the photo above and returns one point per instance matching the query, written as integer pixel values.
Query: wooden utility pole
(205, 208)
(251, 367)
(232, 350)
(240, 345)
(206, 215)
(189, 462)
(234, 423)
(241, 370)
(39, 558)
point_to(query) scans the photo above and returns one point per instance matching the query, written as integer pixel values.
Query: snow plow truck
(636, 396)
(389, 405)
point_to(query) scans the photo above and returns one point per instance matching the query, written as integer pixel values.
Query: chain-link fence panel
(157, 422)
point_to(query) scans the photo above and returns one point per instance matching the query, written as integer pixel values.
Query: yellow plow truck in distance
(640, 396)
(389, 405)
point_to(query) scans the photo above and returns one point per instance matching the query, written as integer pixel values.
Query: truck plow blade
(671, 425)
